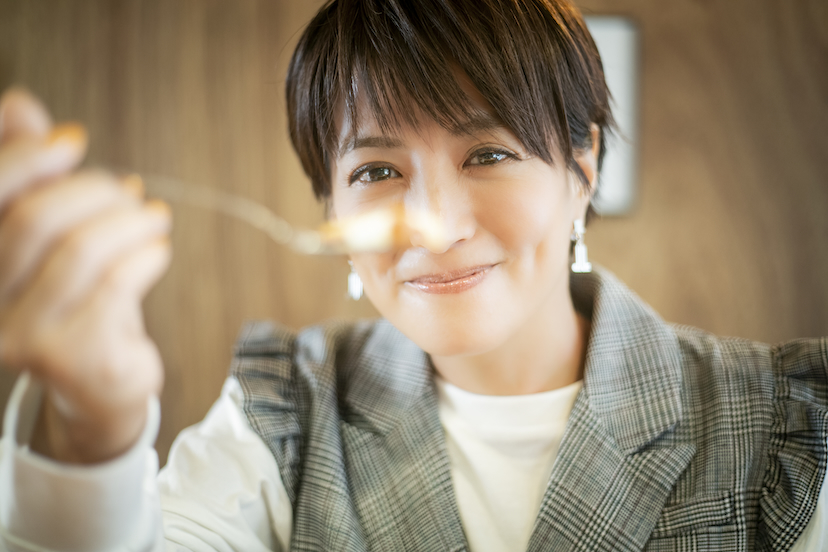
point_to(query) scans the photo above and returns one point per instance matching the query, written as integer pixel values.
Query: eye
(369, 174)
(489, 157)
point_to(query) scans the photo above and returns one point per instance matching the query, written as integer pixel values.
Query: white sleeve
(815, 536)
(220, 490)
(46, 505)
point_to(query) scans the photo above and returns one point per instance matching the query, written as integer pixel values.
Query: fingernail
(67, 134)
(158, 206)
(134, 185)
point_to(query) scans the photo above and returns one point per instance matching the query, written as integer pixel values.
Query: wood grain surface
(730, 231)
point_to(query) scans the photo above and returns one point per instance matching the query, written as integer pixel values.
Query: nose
(440, 212)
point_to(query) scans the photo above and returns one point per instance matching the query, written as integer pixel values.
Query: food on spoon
(384, 229)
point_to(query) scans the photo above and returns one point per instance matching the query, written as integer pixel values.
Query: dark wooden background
(730, 232)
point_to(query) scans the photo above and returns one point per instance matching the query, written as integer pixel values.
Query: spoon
(376, 231)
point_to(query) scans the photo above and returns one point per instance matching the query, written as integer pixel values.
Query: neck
(547, 353)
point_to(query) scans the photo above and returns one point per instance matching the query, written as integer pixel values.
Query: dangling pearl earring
(354, 284)
(581, 264)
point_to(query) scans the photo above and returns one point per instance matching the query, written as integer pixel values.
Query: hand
(78, 252)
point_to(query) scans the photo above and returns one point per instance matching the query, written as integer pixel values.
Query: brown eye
(370, 174)
(489, 157)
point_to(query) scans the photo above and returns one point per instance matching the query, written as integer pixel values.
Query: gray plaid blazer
(679, 440)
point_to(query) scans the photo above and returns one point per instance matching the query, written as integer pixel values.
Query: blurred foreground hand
(79, 249)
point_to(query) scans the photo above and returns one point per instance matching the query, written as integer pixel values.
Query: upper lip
(449, 275)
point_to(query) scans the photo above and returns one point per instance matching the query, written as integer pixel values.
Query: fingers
(123, 363)
(21, 114)
(28, 160)
(72, 332)
(130, 361)
(86, 254)
(135, 274)
(35, 221)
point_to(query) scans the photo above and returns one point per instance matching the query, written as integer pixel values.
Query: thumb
(21, 114)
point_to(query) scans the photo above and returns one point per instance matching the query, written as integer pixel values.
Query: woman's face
(508, 218)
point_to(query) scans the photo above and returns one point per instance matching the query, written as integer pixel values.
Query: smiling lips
(454, 281)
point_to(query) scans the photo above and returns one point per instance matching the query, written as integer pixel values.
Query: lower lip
(452, 286)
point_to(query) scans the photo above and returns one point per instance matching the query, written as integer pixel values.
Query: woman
(502, 404)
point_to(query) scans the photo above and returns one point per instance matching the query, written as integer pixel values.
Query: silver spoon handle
(174, 190)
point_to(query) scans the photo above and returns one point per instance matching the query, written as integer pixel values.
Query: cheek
(377, 273)
(527, 215)
(347, 202)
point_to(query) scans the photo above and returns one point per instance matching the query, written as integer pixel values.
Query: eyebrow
(479, 123)
(386, 142)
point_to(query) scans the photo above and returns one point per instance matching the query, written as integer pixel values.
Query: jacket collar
(633, 365)
(382, 378)
(632, 373)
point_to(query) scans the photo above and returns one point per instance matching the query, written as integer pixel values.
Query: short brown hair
(534, 61)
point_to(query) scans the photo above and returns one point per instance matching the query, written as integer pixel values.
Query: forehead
(373, 121)
(370, 135)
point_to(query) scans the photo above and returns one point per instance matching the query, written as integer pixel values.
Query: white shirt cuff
(47, 505)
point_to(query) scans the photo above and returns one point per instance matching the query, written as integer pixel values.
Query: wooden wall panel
(730, 231)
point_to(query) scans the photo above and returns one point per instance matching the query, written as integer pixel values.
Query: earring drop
(354, 284)
(581, 264)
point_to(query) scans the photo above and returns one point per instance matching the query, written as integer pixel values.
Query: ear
(587, 160)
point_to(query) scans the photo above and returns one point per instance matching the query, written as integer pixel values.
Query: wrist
(91, 439)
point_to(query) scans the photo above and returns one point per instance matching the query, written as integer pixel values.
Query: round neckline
(535, 410)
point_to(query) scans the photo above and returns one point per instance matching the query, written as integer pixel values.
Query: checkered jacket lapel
(350, 414)
(631, 396)
(633, 370)
(395, 448)
(599, 497)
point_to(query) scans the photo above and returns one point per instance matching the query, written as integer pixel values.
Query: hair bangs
(533, 61)
(391, 71)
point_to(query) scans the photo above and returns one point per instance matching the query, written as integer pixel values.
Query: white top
(221, 488)
(501, 451)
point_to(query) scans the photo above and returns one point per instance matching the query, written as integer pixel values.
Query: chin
(474, 322)
(460, 335)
